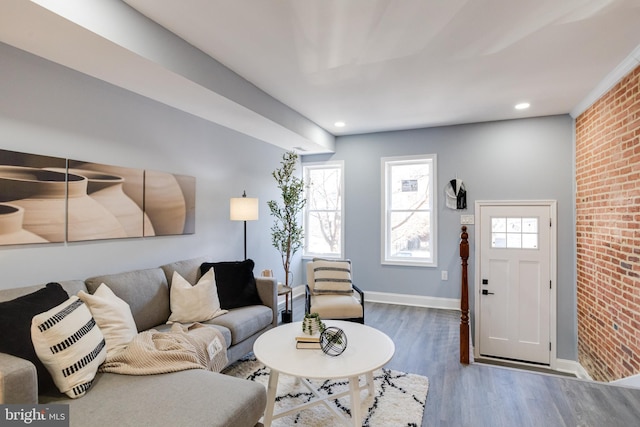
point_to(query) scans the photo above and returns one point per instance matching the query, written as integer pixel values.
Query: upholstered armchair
(331, 293)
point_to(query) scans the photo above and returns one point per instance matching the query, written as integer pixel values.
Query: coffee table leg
(369, 379)
(271, 397)
(356, 410)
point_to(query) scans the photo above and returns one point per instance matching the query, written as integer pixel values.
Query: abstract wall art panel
(120, 192)
(49, 199)
(188, 187)
(169, 202)
(32, 198)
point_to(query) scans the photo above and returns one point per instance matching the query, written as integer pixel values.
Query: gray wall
(50, 110)
(528, 159)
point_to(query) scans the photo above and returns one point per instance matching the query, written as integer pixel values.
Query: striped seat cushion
(332, 277)
(70, 345)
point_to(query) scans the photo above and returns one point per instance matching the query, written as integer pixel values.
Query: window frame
(386, 164)
(332, 164)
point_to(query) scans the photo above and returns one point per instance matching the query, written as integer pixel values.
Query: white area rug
(399, 397)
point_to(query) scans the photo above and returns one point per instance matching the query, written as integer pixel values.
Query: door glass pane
(514, 240)
(529, 241)
(498, 240)
(498, 224)
(514, 225)
(514, 233)
(529, 225)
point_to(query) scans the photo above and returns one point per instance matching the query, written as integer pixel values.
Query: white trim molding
(626, 66)
(572, 367)
(413, 300)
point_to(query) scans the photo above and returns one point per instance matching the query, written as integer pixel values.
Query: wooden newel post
(464, 298)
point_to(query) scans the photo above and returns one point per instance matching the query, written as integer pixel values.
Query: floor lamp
(243, 209)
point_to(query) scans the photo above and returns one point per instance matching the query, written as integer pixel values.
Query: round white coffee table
(367, 350)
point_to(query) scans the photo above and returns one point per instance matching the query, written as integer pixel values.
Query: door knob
(486, 292)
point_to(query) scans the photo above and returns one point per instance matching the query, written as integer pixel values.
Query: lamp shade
(243, 209)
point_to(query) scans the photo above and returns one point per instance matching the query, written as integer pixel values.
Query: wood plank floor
(480, 395)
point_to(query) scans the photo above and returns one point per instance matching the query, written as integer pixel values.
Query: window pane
(410, 235)
(323, 210)
(323, 231)
(323, 189)
(409, 186)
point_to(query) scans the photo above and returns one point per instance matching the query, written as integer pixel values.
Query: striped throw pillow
(332, 277)
(70, 345)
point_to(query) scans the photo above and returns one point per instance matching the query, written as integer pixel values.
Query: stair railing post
(464, 298)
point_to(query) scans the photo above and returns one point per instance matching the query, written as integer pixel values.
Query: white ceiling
(376, 64)
(384, 64)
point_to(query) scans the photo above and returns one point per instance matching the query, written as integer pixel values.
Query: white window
(409, 210)
(323, 212)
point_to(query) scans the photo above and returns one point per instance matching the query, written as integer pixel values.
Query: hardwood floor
(480, 395)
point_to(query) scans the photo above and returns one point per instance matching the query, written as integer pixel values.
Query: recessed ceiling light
(339, 124)
(522, 106)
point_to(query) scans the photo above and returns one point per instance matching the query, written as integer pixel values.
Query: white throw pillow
(70, 344)
(113, 316)
(332, 277)
(196, 303)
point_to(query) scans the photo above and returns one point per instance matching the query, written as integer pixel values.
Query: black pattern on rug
(399, 398)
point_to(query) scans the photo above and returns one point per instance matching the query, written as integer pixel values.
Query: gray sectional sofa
(194, 397)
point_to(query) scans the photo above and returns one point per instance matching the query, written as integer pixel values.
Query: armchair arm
(18, 380)
(359, 291)
(268, 292)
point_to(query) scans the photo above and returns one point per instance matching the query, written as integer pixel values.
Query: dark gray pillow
(235, 282)
(15, 327)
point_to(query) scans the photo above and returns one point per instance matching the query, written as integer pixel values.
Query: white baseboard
(572, 367)
(400, 299)
(413, 300)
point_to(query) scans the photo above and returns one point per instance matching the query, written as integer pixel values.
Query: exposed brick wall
(608, 232)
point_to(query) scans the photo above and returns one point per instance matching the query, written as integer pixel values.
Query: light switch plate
(467, 219)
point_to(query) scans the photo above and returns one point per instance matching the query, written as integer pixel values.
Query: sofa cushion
(189, 269)
(70, 344)
(113, 316)
(244, 321)
(336, 306)
(194, 303)
(236, 283)
(146, 292)
(15, 326)
(187, 398)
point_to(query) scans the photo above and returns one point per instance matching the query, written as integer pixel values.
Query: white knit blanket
(152, 352)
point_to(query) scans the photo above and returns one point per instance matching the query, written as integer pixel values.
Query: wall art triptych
(50, 199)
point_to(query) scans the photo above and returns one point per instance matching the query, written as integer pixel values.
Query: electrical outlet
(467, 219)
(444, 275)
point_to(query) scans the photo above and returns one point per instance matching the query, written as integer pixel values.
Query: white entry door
(515, 281)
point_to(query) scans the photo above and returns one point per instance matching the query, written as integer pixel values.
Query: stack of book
(308, 342)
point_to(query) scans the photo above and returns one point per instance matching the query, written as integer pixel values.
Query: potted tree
(286, 232)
